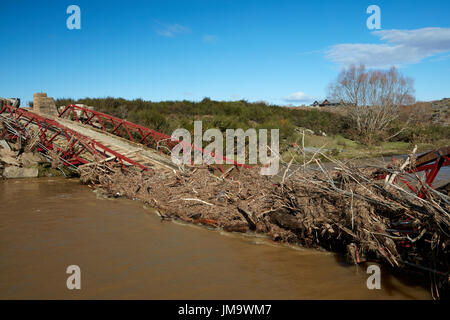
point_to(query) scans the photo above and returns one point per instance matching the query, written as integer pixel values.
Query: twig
(198, 200)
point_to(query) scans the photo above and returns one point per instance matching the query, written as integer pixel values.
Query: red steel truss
(76, 143)
(430, 162)
(132, 131)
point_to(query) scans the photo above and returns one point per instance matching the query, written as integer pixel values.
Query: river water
(124, 251)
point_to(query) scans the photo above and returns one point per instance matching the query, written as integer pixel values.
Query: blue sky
(283, 52)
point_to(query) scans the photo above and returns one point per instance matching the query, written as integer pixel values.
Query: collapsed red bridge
(77, 143)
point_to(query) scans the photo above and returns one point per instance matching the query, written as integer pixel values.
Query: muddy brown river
(124, 251)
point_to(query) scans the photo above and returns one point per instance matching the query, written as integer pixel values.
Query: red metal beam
(431, 163)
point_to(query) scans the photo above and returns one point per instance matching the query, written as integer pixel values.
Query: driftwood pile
(343, 210)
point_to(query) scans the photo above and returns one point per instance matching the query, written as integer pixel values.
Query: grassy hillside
(340, 139)
(166, 116)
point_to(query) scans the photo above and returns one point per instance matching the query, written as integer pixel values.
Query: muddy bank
(344, 211)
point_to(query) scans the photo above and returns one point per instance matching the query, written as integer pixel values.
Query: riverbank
(341, 148)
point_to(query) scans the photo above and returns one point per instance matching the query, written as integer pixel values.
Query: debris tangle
(343, 209)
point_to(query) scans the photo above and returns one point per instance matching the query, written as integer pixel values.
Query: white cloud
(435, 39)
(298, 97)
(170, 30)
(401, 47)
(210, 38)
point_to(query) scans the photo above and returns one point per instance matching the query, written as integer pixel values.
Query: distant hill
(443, 103)
(435, 112)
(441, 111)
(165, 116)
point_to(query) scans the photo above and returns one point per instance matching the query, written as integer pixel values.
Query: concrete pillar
(44, 104)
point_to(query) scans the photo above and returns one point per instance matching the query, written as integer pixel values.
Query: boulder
(29, 159)
(7, 152)
(13, 172)
(8, 157)
(305, 130)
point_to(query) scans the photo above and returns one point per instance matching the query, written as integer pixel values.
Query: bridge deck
(133, 151)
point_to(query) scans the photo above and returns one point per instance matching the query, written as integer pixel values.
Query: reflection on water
(125, 252)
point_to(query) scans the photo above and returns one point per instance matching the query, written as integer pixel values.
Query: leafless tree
(372, 97)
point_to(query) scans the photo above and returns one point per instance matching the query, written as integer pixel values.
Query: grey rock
(13, 172)
(29, 159)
